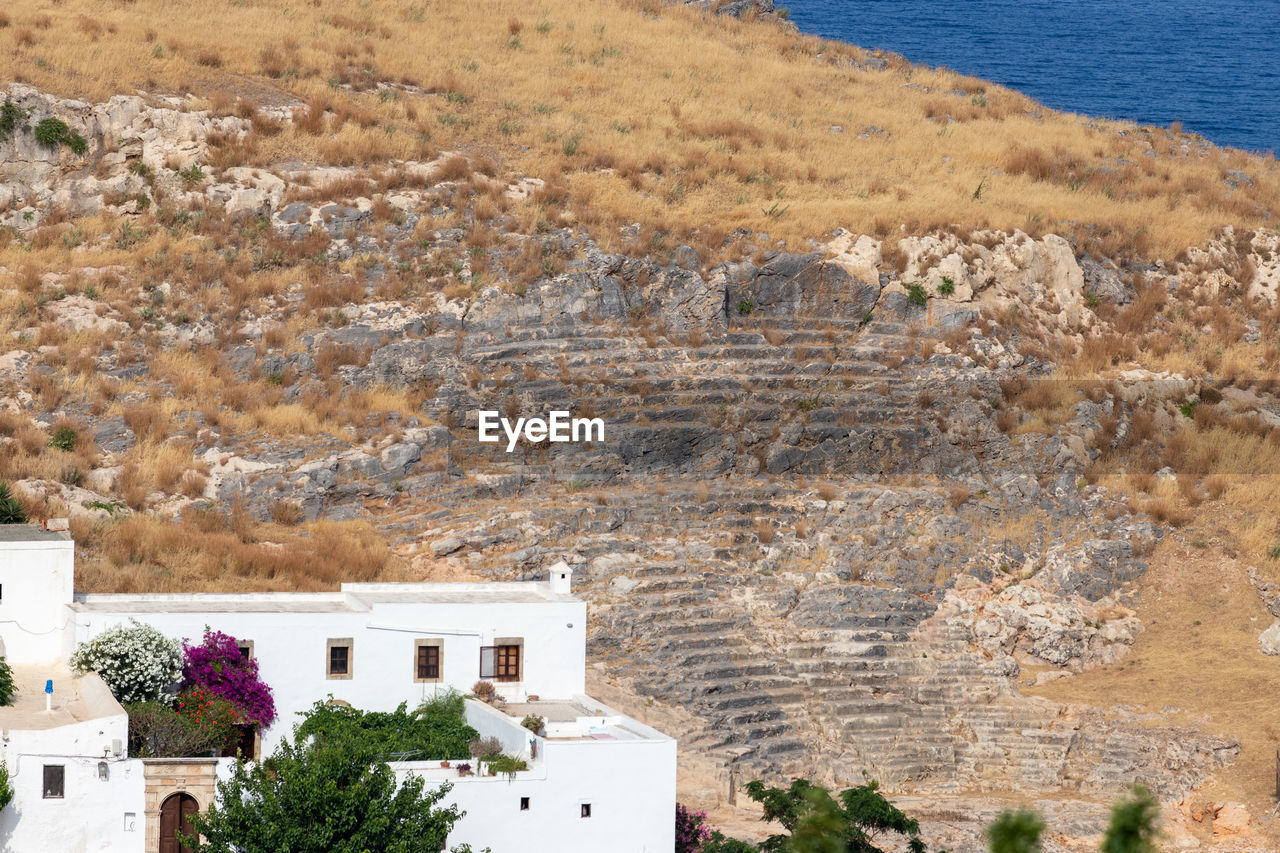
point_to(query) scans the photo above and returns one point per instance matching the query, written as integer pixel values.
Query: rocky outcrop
(735, 8)
(126, 138)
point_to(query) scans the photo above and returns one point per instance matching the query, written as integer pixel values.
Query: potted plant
(534, 723)
(464, 769)
(483, 690)
(444, 765)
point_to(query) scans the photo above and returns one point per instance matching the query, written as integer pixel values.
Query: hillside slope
(920, 400)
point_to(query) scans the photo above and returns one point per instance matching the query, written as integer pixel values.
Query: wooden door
(175, 815)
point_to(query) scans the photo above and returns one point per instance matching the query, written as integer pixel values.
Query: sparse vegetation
(53, 132)
(11, 512)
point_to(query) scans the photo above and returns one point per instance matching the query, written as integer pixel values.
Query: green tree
(328, 795)
(1015, 832)
(1133, 824)
(822, 828)
(7, 687)
(721, 843)
(11, 512)
(862, 814)
(6, 788)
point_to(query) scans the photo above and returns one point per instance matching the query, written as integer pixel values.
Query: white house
(597, 780)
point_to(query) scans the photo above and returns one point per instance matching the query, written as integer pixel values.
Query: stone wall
(168, 776)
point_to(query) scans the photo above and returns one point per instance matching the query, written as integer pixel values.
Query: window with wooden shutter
(506, 666)
(502, 661)
(427, 660)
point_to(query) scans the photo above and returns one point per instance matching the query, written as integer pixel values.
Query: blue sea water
(1214, 66)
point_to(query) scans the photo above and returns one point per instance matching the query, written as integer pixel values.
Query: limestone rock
(1269, 640)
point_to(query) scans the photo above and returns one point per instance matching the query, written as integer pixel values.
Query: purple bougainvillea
(218, 666)
(691, 829)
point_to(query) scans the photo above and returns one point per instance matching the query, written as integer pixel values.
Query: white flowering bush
(137, 662)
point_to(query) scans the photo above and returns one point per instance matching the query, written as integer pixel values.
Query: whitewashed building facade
(597, 780)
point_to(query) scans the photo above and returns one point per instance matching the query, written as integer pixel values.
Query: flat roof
(32, 533)
(583, 718)
(354, 598)
(76, 699)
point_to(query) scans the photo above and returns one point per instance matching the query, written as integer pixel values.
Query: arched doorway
(175, 815)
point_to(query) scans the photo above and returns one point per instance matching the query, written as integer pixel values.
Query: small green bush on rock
(53, 132)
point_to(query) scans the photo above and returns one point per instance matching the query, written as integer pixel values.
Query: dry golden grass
(649, 112)
(206, 551)
(1198, 652)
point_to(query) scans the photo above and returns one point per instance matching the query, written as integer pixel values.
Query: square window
(339, 658)
(585, 809)
(524, 804)
(246, 649)
(55, 780)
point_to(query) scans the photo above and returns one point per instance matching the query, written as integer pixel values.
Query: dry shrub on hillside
(147, 420)
(209, 551)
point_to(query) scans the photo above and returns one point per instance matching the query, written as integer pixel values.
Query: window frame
(584, 811)
(336, 643)
(506, 647)
(61, 776)
(418, 646)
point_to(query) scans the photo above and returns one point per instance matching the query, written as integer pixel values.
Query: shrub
(215, 717)
(11, 115)
(691, 829)
(7, 687)
(435, 730)
(1132, 828)
(11, 512)
(53, 132)
(158, 731)
(948, 286)
(718, 842)
(916, 294)
(192, 175)
(508, 765)
(63, 438)
(534, 723)
(485, 747)
(1015, 832)
(6, 789)
(217, 665)
(136, 661)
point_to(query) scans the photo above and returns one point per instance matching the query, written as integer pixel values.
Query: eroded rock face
(1066, 631)
(122, 137)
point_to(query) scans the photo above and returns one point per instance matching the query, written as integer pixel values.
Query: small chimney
(561, 578)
